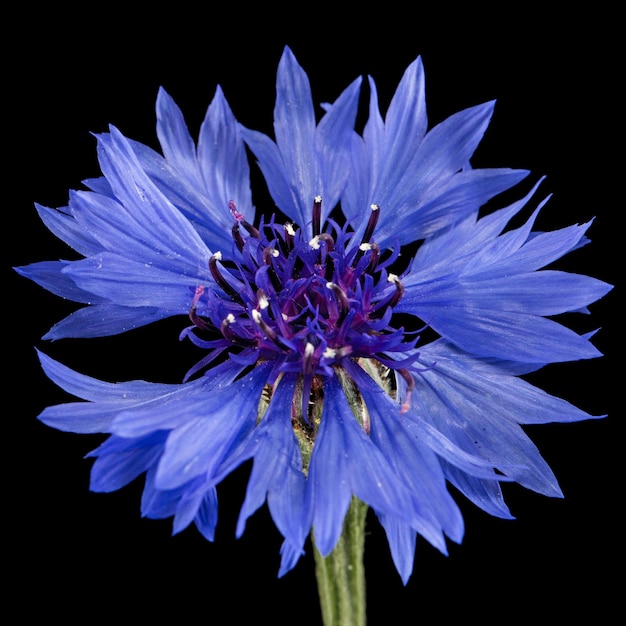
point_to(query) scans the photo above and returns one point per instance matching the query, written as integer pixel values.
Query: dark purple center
(303, 304)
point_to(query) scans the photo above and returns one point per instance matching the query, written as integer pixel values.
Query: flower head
(337, 362)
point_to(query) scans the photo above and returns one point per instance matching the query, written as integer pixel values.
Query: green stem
(341, 575)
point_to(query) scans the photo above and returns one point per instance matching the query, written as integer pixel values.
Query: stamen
(367, 235)
(307, 359)
(196, 296)
(251, 230)
(265, 329)
(371, 223)
(237, 237)
(226, 330)
(329, 353)
(240, 219)
(374, 256)
(342, 352)
(219, 279)
(290, 233)
(374, 250)
(342, 299)
(262, 299)
(317, 215)
(193, 316)
(233, 209)
(327, 239)
(268, 253)
(392, 278)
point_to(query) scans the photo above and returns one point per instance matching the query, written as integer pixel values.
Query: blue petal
(294, 128)
(192, 202)
(114, 469)
(277, 470)
(384, 154)
(62, 223)
(454, 248)
(188, 507)
(462, 195)
(101, 185)
(414, 462)
(346, 462)
(402, 539)
(115, 229)
(513, 335)
(270, 161)
(478, 247)
(490, 382)
(306, 160)
(421, 179)
(137, 284)
(290, 555)
(410, 167)
(102, 320)
(332, 141)
(473, 286)
(223, 163)
(485, 494)
(80, 417)
(539, 250)
(482, 412)
(179, 149)
(196, 501)
(89, 388)
(158, 503)
(406, 124)
(175, 406)
(202, 182)
(107, 400)
(447, 148)
(151, 216)
(546, 292)
(50, 276)
(210, 429)
(206, 516)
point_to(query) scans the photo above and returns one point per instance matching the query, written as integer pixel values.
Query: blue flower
(310, 327)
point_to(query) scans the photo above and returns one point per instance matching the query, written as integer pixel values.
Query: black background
(74, 555)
